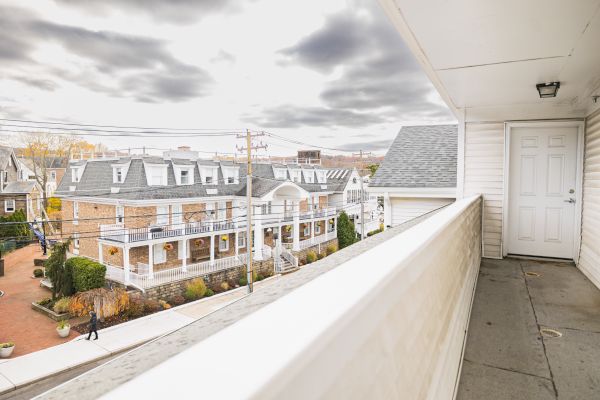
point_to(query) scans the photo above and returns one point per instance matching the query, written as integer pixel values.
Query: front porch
(506, 356)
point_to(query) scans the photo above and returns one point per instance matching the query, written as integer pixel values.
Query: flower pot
(64, 332)
(5, 352)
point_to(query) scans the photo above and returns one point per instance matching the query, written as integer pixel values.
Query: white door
(541, 215)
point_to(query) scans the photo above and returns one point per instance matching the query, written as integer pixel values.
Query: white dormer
(156, 174)
(184, 174)
(309, 175)
(321, 176)
(209, 174)
(231, 174)
(280, 173)
(296, 175)
(76, 173)
(120, 172)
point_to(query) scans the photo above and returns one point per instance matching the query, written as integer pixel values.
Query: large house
(155, 219)
(16, 193)
(418, 173)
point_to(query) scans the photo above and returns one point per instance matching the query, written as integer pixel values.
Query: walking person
(93, 326)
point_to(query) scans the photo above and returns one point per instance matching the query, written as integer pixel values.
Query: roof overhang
(413, 192)
(485, 58)
(286, 191)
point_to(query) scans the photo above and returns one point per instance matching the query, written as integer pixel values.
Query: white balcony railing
(305, 244)
(398, 333)
(118, 233)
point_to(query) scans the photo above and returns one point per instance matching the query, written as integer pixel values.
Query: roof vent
(72, 188)
(114, 189)
(212, 191)
(323, 186)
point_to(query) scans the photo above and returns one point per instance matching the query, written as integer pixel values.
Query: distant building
(309, 156)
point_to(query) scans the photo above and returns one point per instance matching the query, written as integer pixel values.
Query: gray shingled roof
(420, 157)
(23, 187)
(5, 153)
(97, 181)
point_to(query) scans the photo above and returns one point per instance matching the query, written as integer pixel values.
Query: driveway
(28, 329)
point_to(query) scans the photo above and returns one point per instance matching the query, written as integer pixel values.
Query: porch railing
(289, 257)
(304, 244)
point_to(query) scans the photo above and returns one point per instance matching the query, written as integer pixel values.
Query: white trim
(414, 192)
(14, 206)
(578, 210)
(460, 161)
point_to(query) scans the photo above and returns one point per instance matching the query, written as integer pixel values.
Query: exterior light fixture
(547, 89)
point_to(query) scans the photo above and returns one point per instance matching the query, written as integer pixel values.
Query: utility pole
(249, 147)
(362, 194)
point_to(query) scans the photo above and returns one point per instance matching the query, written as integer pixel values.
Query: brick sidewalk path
(30, 330)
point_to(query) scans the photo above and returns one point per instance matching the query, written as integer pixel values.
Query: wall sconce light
(549, 89)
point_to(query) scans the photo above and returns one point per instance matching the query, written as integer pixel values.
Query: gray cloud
(172, 11)
(223, 57)
(290, 116)
(137, 67)
(379, 77)
(40, 83)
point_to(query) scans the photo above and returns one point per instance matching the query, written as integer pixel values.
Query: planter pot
(5, 352)
(64, 332)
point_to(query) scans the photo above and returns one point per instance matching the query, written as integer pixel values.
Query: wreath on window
(224, 237)
(113, 250)
(287, 228)
(199, 242)
(168, 247)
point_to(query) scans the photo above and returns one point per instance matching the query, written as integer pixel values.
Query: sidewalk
(30, 330)
(29, 368)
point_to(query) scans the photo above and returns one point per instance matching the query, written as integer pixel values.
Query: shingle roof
(97, 181)
(23, 187)
(5, 153)
(420, 157)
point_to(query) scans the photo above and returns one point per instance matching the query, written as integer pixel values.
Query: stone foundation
(213, 281)
(318, 248)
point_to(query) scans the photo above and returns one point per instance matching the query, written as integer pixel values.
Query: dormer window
(75, 175)
(231, 175)
(280, 173)
(156, 175)
(309, 176)
(321, 176)
(209, 174)
(185, 177)
(296, 175)
(119, 177)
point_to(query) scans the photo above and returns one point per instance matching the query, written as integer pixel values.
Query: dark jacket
(93, 320)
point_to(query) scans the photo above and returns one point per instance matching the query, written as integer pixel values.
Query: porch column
(212, 249)
(237, 243)
(184, 259)
(100, 254)
(259, 239)
(312, 232)
(387, 211)
(296, 229)
(126, 266)
(151, 261)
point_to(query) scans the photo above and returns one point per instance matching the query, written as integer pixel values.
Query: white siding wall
(405, 209)
(484, 171)
(589, 257)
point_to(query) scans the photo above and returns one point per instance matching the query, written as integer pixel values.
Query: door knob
(571, 200)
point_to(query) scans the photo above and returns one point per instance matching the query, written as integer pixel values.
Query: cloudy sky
(333, 73)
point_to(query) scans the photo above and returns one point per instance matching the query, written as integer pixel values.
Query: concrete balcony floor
(506, 357)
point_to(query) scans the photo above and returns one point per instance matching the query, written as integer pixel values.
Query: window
(75, 175)
(230, 180)
(4, 178)
(75, 213)
(157, 176)
(177, 214)
(321, 177)
(296, 176)
(210, 210)
(120, 214)
(53, 176)
(76, 243)
(159, 253)
(223, 244)
(306, 230)
(241, 237)
(208, 180)
(162, 215)
(231, 175)
(309, 178)
(185, 177)
(9, 205)
(317, 229)
(118, 175)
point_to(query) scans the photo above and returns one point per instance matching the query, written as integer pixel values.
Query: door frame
(580, 125)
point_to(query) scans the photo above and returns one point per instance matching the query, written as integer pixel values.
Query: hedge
(87, 274)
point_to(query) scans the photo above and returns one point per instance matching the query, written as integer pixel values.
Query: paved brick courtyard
(30, 330)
